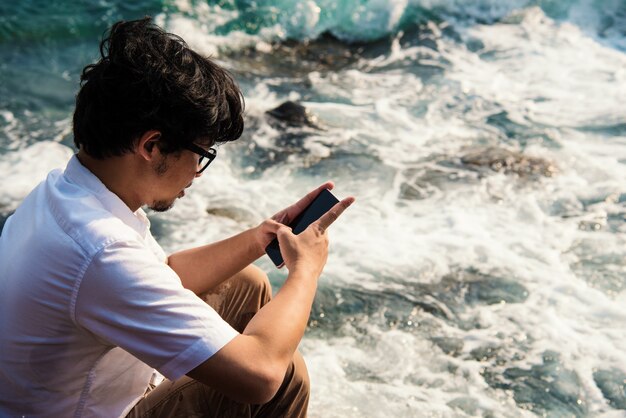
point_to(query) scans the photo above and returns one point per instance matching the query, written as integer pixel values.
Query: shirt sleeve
(130, 299)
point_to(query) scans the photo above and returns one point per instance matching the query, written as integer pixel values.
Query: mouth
(182, 192)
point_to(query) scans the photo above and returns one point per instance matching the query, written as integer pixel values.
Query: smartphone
(319, 206)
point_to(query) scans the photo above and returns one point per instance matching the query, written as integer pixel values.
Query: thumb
(272, 225)
(283, 232)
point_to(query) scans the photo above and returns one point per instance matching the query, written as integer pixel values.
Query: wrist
(305, 270)
(256, 241)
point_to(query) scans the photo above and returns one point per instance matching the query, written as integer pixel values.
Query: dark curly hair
(148, 79)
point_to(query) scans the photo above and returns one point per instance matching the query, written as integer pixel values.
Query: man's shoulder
(92, 227)
(65, 212)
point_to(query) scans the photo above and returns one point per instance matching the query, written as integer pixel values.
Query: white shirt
(88, 305)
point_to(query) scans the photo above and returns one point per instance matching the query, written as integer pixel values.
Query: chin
(162, 205)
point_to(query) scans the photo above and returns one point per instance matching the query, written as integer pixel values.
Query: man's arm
(203, 268)
(252, 366)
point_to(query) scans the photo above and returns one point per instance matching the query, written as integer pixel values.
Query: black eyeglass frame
(209, 154)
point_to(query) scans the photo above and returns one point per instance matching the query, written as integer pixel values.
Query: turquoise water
(482, 271)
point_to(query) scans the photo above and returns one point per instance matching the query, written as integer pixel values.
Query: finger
(294, 210)
(331, 216)
(272, 226)
(306, 200)
(283, 231)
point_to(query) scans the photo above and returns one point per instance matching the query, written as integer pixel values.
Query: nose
(199, 174)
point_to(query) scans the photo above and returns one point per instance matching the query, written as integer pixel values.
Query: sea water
(482, 270)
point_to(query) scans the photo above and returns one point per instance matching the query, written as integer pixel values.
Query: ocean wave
(33, 21)
(355, 21)
(351, 21)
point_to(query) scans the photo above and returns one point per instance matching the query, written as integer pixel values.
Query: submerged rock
(238, 214)
(424, 182)
(466, 404)
(509, 162)
(444, 172)
(448, 299)
(291, 57)
(547, 389)
(449, 345)
(328, 53)
(490, 290)
(484, 353)
(293, 114)
(612, 384)
(296, 134)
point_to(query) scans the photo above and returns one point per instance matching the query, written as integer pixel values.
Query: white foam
(560, 75)
(24, 169)
(197, 24)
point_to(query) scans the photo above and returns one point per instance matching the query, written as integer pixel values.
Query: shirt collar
(81, 176)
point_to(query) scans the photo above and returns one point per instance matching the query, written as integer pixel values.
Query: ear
(147, 147)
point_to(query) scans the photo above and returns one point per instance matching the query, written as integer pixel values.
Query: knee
(255, 279)
(300, 378)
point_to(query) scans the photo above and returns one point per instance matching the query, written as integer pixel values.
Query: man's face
(174, 173)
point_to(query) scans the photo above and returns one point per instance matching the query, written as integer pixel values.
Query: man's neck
(116, 174)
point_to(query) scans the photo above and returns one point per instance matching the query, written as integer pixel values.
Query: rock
(490, 290)
(548, 389)
(293, 114)
(508, 162)
(296, 58)
(238, 214)
(449, 345)
(466, 404)
(612, 384)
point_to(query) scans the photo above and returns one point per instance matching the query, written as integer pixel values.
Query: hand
(266, 231)
(308, 250)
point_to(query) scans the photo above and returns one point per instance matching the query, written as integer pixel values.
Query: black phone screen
(319, 206)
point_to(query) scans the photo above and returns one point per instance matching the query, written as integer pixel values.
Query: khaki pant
(236, 300)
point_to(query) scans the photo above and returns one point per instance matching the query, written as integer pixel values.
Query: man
(89, 303)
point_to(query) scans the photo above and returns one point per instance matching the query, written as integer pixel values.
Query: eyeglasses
(209, 155)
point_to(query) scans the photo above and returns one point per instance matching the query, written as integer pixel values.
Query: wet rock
(292, 114)
(490, 290)
(434, 306)
(508, 162)
(449, 345)
(293, 125)
(484, 353)
(328, 53)
(445, 300)
(241, 215)
(456, 292)
(424, 182)
(358, 372)
(612, 384)
(415, 191)
(601, 268)
(444, 172)
(466, 404)
(469, 287)
(547, 389)
(296, 58)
